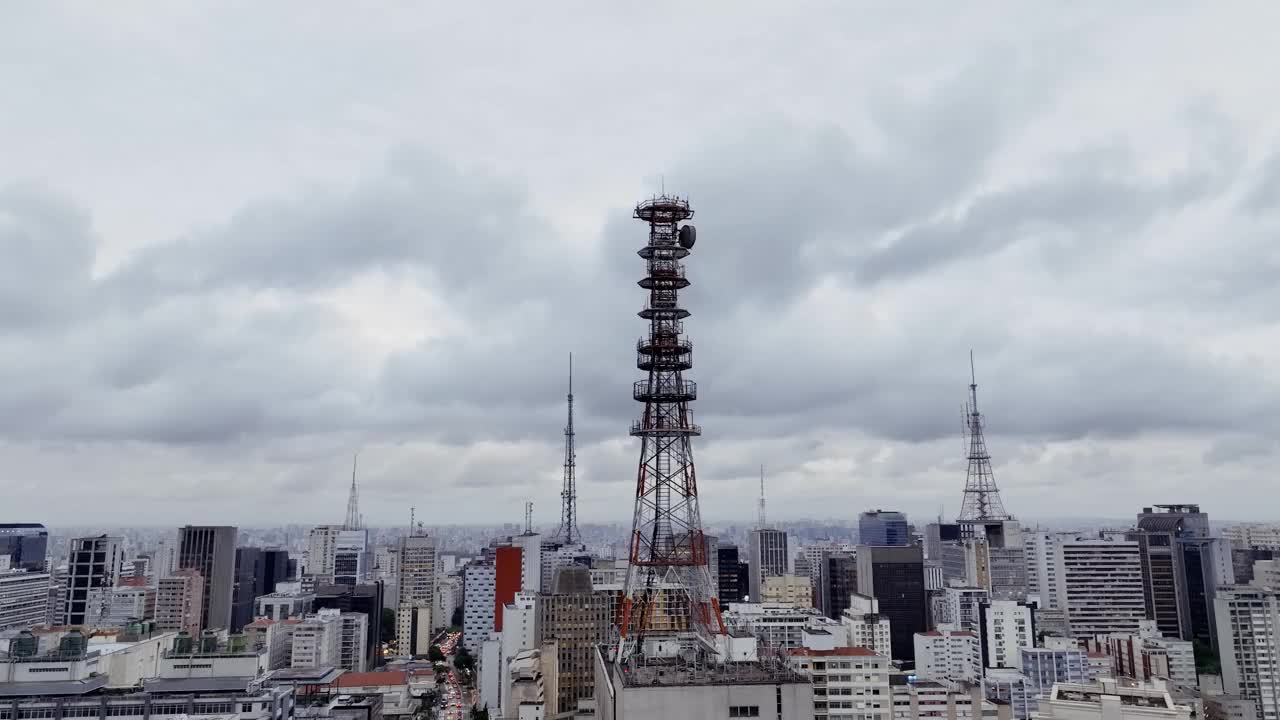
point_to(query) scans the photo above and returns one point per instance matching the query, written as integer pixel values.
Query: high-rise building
(416, 586)
(245, 586)
(119, 606)
(478, 578)
(179, 599)
(854, 682)
(576, 619)
(1179, 570)
(93, 562)
(837, 582)
(883, 527)
(353, 641)
(322, 546)
(894, 576)
(211, 551)
(317, 641)
(25, 544)
(365, 599)
(767, 557)
(866, 627)
(1006, 626)
(352, 560)
(24, 597)
(963, 606)
(1248, 620)
(1102, 582)
(787, 589)
(1151, 656)
(733, 573)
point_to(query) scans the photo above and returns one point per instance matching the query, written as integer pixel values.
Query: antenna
(981, 497)
(569, 492)
(411, 523)
(761, 519)
(353, 500)
(528, 518)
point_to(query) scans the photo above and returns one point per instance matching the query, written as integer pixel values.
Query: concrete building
(883, 527)
(178, 602)
(576, 619)
(352, 559)
(849, 683)
(162, 699)
(119, 606)
(448, 600)
(92, 562)
(914, 699)
(478, 577)
(1012, 689)
(1253, 535)
(787, 589)
(530, 685)
(1107, 700)
(353, 641)
(1180, 570)
(416, 586)
(1149, 655)
(24, 597)
(317, 641)
(365, 600)
(282, 605)
(895, 577)
(211, 551)
(1044, 666)
(25, 545)
(518, 635)
(865, 627)
(669, 688)
(767, 556)
(1248, 629)
(322, 545)
(1005, 627)
(963, 603)
(1102, 584)
(779, 625)
(1229, 707)
(274, 637)
(948, 655)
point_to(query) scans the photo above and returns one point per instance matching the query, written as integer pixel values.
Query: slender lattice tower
(981, 497)
(353, 500)
(568, 532)
(667, 547)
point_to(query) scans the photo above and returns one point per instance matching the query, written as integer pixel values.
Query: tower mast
(981, 497)
(667, 546)
(569, 494)
(761, 521)
(353, 499)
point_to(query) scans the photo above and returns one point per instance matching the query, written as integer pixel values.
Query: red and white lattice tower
(668, 553)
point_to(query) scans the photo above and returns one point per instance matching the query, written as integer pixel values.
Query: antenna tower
(353, 500)
(763, 523)
(528, 518)
(667, 545)
(981, 497)
(569, 494)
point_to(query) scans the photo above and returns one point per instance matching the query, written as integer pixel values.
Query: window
(736, 711)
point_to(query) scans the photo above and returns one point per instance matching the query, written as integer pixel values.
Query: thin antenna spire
(762, 520)
(411, 523)
(528, 517)
(568, 531)
(353, 500)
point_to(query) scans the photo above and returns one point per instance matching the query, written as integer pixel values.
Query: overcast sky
(242, 240)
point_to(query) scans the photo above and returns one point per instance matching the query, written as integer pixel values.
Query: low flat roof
(676, 672)
(53, 687)
(196, 685)
(304, 676)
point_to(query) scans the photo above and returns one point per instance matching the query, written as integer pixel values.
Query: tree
(388, 625)
(1207, 662)
(456, 619)
(464, 661)
(480, 713)
(435, 654)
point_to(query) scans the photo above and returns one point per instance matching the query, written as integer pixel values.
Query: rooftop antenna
(981, 497)
(569, 492)
(411, 523)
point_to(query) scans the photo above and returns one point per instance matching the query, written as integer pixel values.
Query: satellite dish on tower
(688, 236)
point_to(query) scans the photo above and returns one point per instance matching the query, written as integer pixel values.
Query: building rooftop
(373, 679)
(304, 676)
(196, 685)
(834, 652)
(53, 687)
(676, 672)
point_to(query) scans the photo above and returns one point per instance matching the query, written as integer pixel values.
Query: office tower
(963, 606)
(1179, 570)
(866, 627)
(25, 544)
(883, 527)
(732, 573)
(179, 602)
(93, 562)
(947, 655)
(767, 557)
(366, 600)
(895, 577)
(353, 641)
(272, 568)
(416, 587)
(211, 551)
(245, 586)
(1248, 621)
(837, 582)
(478, 603)
(1102, 584)
(352, 560)
(1006, 626)
(935, 534)
(24, 597)
(577, 619)
(120, 606)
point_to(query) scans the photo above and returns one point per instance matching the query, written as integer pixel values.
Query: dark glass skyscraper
(883, 527)
(895, 577)
(733, 574)
(26, 544)
(211, 551)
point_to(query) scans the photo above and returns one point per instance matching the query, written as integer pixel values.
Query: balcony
(680, 391)
(659, 427)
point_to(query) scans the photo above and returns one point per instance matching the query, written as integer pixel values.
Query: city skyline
(212, 304)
